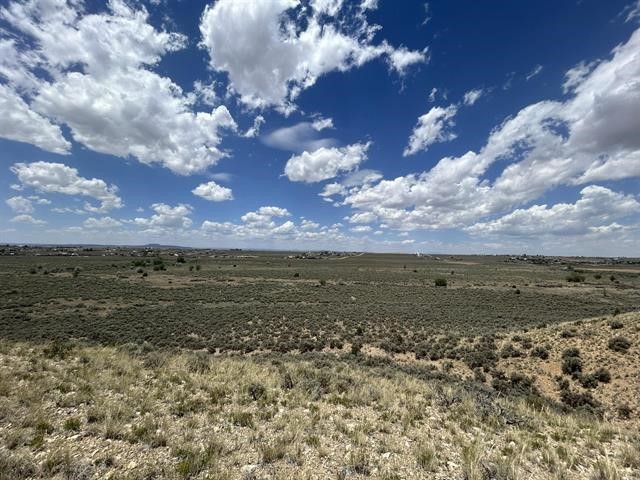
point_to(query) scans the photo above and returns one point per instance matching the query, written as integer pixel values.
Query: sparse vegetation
(619, 344)
(241, 371)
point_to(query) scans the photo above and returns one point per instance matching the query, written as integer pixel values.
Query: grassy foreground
(77, 411)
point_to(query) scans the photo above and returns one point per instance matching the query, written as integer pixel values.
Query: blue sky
(462, 127)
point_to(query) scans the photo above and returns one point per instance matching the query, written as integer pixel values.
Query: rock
(249, 468)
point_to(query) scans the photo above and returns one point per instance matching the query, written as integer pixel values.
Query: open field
(194, 364)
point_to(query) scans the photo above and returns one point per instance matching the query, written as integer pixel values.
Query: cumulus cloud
(325, 163)
(273, 50)
(20, 204)
(575, 76)
(433, 127)
(348, 182)
(321, 123)
(101, 223)
(27, 219)
(18, 122)
(595, 211)
(264, 215)
(50, 177)
(592, 136)
(103, 88)
(167, 217)
(212, 191)
(268, 224)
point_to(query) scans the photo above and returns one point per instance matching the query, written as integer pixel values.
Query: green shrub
(571, 352)
(602, 375)
(625, 411)
(441, 282)
(540, 352)
(575, 277)
(568, 333)
(572, 365)
(616, 324)
(619, 344)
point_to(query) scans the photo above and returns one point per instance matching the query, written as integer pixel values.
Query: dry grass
(101, 412)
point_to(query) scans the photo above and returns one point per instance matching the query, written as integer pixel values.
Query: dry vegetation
(234, 367)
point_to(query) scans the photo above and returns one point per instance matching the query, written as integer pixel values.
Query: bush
(625, 411)
(588, 381)
(571, 365)
(602, 375)
(356, 348)
(571, 352)
(441, 282)
(568, 333)
(616, 324)
(180, 259)
(510, 351)
(540, 352)
(579, 400)
(576, 277)
(619, 344)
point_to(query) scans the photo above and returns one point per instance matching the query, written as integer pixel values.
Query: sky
(371, 125)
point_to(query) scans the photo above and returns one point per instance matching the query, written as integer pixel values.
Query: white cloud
(633, 11)
(100, 223)
(325, 163)
(39, 200)
(264, 215)
(361, 229)
(102, 87)
(27, 219)
(206, 92)
(432, 95)
(353, 179)
(254, 130)
(362, 217)
(472, 96)
(50, 177)
(592, 136)
(300, 137)
(221, 176)
(309, 225)
(432, 127)
(20, 204)
(272, 53)
(321, 123)
(536, 71)
(167, 217)
(18, 122)
(402, 58)
(595, 211)
(212, 191)
(575, 76)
